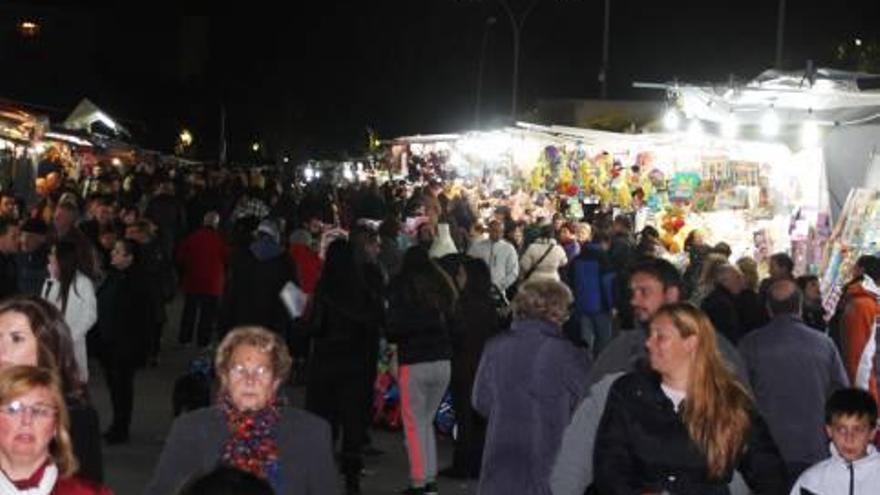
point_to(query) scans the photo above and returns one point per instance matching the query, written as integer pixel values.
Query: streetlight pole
(490, 21)
(606, 40)
(780, 31)
(516, 26)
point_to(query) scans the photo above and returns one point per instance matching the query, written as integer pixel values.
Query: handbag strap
(535, 266)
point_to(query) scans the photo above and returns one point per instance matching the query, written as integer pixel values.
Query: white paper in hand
(294, 299)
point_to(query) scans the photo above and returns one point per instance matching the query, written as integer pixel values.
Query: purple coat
(530, 380)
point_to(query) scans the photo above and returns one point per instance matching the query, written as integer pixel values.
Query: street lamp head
(186, 137)
(255, 147)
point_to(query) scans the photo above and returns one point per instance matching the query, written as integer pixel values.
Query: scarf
(252, 445)
(40, 483)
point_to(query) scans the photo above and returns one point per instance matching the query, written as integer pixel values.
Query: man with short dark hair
(792, 368)
(781, 267)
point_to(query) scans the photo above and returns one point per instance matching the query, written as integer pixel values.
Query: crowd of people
(578, 357)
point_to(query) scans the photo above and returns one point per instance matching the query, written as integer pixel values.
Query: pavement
(129, 467)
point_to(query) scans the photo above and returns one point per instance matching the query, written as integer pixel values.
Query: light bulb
(810, 134)
(770, 124)
(671, 121)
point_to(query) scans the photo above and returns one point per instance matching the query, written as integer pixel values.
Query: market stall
(759, 197)
(856, 233)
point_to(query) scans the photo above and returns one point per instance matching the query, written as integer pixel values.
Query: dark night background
(309, 80)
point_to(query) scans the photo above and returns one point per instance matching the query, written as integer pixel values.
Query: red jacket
(308, 267)
(63, 486)
(77, 486)
(203, 257)
(860, 317)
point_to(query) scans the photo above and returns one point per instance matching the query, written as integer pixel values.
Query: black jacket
(124, 321)
(257, 276)
(720, 306)
(642, 446)
(477, 321)
(345, 332)
(8, 276)
(85, 435)
(421, 332)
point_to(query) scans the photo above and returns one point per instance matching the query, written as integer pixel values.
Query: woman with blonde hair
(36, 455)
(685, 424)
(706, 281)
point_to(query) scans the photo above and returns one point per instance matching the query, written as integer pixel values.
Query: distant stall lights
(729, 127)
(28, 28)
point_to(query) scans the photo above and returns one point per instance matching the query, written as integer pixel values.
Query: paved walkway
(129, 467)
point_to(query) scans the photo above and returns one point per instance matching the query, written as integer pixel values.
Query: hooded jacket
(860, 335)
(834, 475)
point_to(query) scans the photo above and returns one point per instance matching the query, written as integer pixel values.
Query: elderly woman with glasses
(249, 429)
(36, 456)
(529, 381)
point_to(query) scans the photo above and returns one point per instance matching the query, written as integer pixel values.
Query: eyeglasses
(240, 372)
(843, 431)
(41, 412)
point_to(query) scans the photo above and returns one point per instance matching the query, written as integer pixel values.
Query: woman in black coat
(345, 336)
(124, 326)
(476, 321)
(683, 425)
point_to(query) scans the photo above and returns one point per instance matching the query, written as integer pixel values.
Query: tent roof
(87, 113)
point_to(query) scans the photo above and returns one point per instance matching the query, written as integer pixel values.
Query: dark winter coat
(124, 320)
(257, 276)
(643, 446)
(421, 332)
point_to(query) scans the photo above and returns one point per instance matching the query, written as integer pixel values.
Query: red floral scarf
(252, 445)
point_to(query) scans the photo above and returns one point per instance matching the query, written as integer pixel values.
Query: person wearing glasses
(854, 465)
(36, 455)
(33, 333)
(249, 428)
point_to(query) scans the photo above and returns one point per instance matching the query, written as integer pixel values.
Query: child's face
(851, 436)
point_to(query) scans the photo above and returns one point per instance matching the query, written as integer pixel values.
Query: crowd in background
(576, 355)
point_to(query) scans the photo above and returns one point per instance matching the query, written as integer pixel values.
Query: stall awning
(87, 113)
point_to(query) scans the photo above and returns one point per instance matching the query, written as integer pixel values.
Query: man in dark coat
(794, 370)
(124, 327)
(257, 277)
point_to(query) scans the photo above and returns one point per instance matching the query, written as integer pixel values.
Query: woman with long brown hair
(685, 424)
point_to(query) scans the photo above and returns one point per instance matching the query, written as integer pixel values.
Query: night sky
(309, 81)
